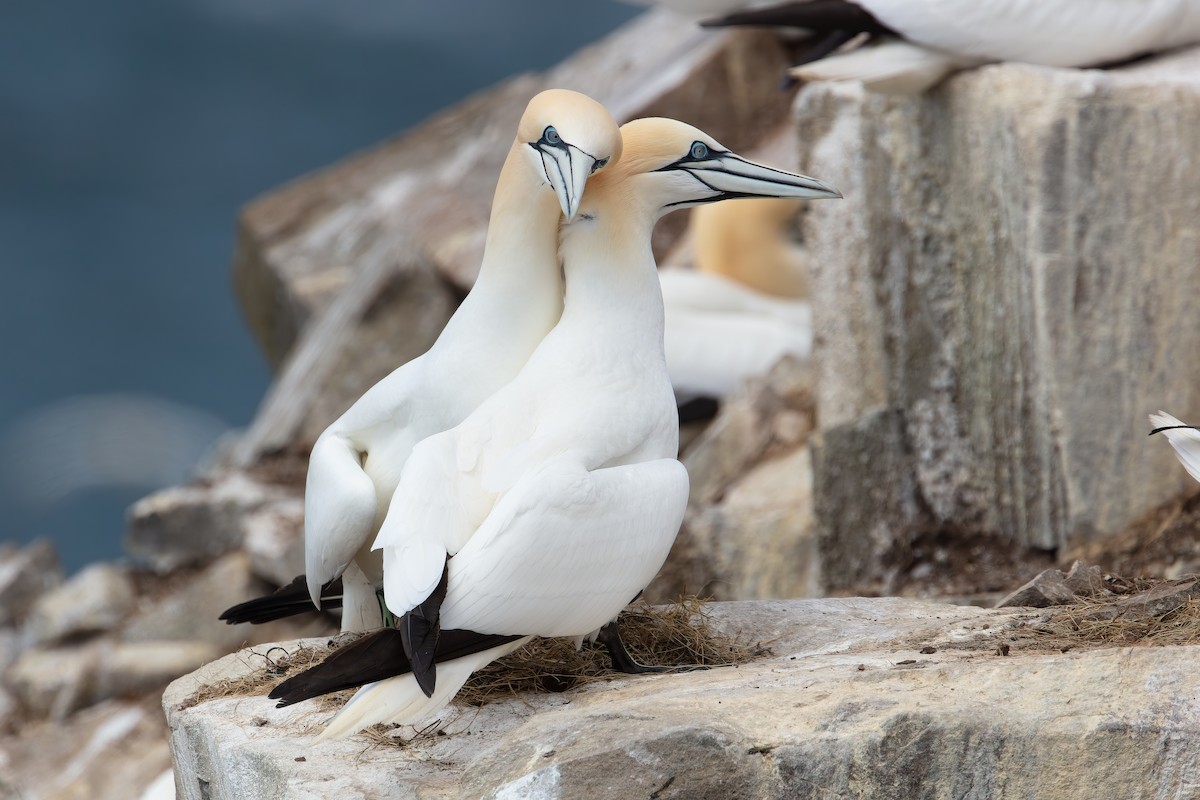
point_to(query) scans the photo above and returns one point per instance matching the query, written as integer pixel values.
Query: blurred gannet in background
(742, 308)
(914, 44)
(553, 505)
(1183, 437)
(562, 138)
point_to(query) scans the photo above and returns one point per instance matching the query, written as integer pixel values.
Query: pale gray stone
(275, 540)
(998, 304)
(94, 600)
(56, 681)
(112, 751)
(25, 574)
(846, 705)
(1047, 588)
(749, 531)
(187, 609)
(188, 525)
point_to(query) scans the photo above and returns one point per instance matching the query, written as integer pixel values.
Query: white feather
(565, 547)
(888, 66)
(1185, 441)
(952, 34)
(401, 698)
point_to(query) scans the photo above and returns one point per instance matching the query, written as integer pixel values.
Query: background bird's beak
(568, 169)
(733, 176)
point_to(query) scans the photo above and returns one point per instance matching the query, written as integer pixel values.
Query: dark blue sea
(130, 135)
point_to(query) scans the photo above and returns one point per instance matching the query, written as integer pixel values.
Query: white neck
(612, 280)
(517, 297)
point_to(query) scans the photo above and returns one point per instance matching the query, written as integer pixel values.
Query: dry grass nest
(1149, 614)
(673, 635)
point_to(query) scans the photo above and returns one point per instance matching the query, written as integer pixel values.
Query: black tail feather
(377, 656)
(287, 601)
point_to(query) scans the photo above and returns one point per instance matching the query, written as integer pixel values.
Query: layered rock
(998, 303)
(867, 698)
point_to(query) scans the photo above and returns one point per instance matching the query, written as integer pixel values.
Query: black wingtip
(1172, 428)
(287, 601)
(375, 657)
(420, 629)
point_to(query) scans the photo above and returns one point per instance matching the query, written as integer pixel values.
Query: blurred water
(130, 133)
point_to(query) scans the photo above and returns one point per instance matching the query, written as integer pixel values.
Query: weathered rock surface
(862, 698)
(53, 682)
(25, 574)
(749, 532)
(997, 304)
(96, 599)
(1051, 587)
(189, 610)
(189, 525)
(112, 750)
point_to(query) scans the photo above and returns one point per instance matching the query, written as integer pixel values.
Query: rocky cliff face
(999, 303)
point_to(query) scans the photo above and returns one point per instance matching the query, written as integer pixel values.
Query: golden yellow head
(569, 136)
(666, 164)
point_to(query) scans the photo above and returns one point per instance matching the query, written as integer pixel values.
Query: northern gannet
(552, 506)
(561, 139)
(917, 43)
(1183, 437)
(743, 307)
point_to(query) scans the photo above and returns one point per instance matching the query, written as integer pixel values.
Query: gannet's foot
(610, 637)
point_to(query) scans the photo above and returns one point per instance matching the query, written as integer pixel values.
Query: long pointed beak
(733, 176)
(568, 169)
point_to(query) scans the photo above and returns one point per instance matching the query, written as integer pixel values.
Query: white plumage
(1184, 438)
(941, 36)
(719, 332)
(744, 305)
(556, 501)
(517, 298)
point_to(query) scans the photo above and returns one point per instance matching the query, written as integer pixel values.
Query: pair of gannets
(1184, 438)
(744, 305)
(916, 43)
(357, 462)
(547, 509)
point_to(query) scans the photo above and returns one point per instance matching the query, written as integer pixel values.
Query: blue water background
(131, 133)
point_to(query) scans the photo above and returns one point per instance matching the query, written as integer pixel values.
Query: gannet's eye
(599, 164)
(699, 151)
(551, 135)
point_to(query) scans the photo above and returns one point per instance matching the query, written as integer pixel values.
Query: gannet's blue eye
(551, 135)
(699, 151)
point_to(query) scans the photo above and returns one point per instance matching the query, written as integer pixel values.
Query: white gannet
(742, 308)
(549, 508)
(561, 139)
(1184, 438)
(917, 43)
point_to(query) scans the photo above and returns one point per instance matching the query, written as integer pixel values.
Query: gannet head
(570, 136)
(671, 165)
